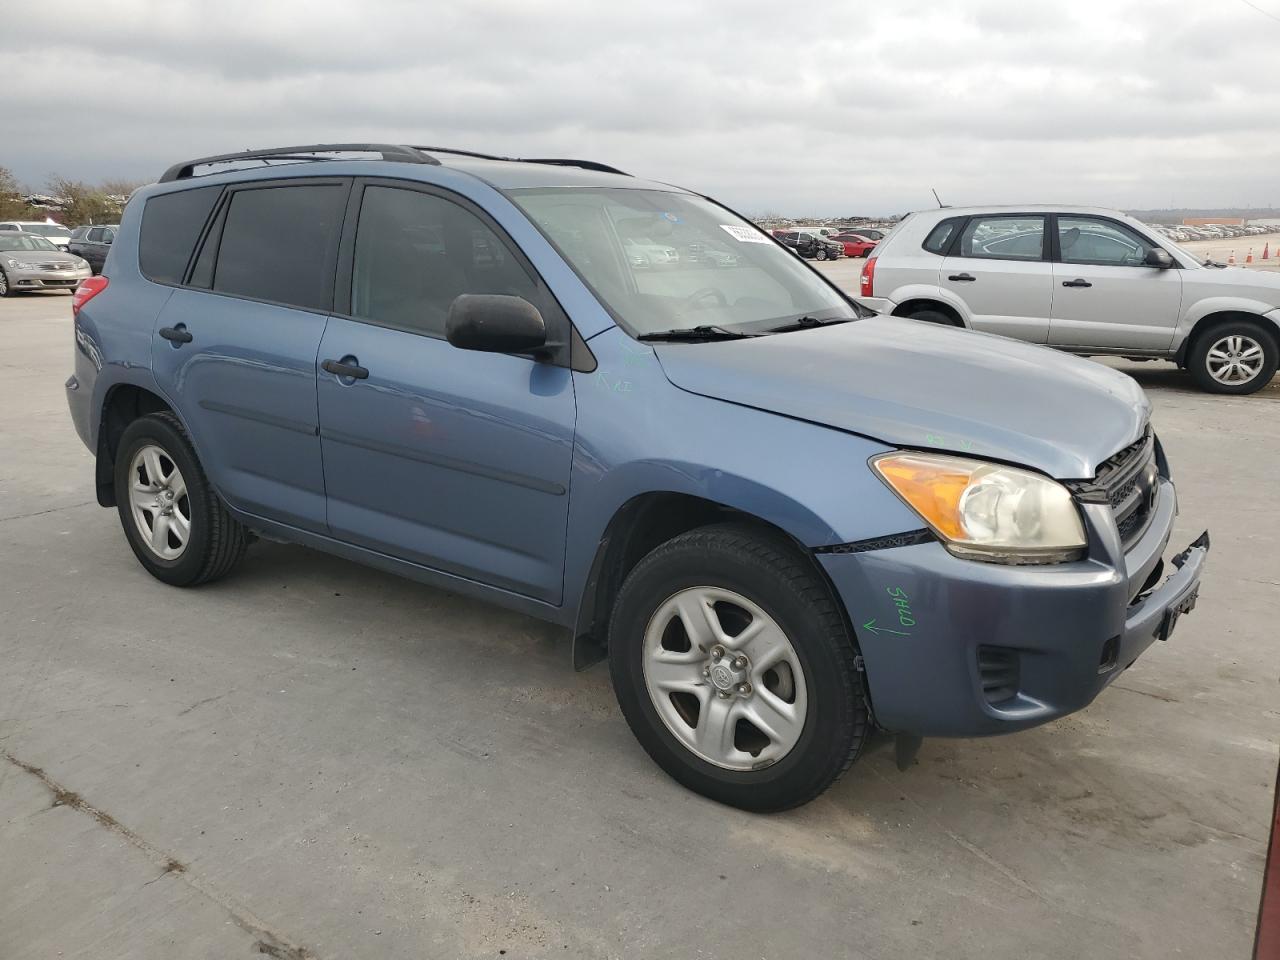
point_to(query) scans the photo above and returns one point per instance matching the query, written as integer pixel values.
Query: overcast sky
(836, 107)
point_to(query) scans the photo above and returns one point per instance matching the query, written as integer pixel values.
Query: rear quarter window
(940, 236)
(171, 225)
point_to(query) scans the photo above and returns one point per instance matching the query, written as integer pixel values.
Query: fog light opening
(1110, 654)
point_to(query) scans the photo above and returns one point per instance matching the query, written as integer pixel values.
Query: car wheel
(933, 316)
(735, 669)
(4, 284)
(178, 528)
(1237, 358)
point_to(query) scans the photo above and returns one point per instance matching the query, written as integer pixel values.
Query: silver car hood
(913, 384)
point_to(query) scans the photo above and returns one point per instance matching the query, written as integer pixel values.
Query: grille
(998, 669)
(1127, 482)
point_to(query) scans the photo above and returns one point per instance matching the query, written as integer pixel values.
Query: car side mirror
(1158, 257)
(495, 324)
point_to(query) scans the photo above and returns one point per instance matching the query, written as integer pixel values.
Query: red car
(855, 244)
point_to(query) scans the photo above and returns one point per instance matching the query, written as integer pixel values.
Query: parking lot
(315, 759)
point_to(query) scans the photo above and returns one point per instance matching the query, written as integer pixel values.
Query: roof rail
(388, 151)
(556, 162)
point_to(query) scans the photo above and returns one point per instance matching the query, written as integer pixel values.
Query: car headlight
(21, 265)
(987, 511)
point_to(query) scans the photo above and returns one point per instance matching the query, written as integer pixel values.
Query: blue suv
(618, 406)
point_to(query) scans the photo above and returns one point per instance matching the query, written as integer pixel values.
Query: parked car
(93, 243)
(810, 245)
(1085, 280)
(30, 262)
(871, 233)
(791, 521)
(855, 244)
(55, 233)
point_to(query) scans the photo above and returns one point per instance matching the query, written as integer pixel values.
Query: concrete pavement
(313, 759)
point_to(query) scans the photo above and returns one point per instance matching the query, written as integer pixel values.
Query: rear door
(1104, 294)
(999, 266)
(236, 344)
(454, 459)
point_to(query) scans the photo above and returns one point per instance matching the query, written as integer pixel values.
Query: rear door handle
(176, 335)
(962, 277)
(1077, 282)
(343, 368)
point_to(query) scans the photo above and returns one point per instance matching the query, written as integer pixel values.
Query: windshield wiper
(804, 323)
(702, 332)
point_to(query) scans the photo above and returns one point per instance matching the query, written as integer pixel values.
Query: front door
(235, 348)
(1104, 294)
(453, 459)
(1000, 269)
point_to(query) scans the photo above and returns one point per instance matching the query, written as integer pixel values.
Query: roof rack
(388, 151)
(553, 161)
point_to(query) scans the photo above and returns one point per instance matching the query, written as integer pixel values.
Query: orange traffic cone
(1249, 257)
(1231, 259)
(1266, 251)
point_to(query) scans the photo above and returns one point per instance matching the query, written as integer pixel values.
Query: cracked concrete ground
(312, 759)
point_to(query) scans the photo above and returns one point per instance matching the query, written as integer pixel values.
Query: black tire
(821, 254)
(1198, 356)
(217, 542)
(5, 289)
(933, 316)
(770, 572)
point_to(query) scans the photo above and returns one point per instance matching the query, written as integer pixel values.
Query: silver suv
(1086, 280)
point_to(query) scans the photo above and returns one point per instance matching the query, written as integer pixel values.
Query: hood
(1263, 285)
(913, 384)
(42, 256)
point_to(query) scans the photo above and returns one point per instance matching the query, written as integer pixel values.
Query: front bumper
(69, 279)
(956, 647)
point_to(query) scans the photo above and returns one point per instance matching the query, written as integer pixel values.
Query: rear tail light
(89, 288)
(866, 283)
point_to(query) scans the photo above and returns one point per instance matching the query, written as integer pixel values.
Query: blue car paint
(646, 420)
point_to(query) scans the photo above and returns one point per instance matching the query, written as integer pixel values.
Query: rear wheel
(1236, 358)
(735, 669)
(178, 528)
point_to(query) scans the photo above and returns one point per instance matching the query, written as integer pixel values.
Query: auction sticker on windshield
(744, 234)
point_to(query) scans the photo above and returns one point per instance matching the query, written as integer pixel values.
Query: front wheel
(4, 284)
(1235, 358)
(735, 669)
(178, 528)
(821, 254)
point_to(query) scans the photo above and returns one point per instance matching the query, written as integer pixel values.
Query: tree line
(76, 203)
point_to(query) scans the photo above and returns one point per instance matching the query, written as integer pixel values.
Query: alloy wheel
(724, 678)
(4, 283)
(1235, 359)
(159, 503)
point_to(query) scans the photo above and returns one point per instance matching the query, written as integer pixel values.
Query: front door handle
(176, 335)
(346, 367)
(1077, 282)
(962, 277)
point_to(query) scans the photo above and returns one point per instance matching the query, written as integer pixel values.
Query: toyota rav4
(784, 521)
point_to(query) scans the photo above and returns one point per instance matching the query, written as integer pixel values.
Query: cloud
(836, 107)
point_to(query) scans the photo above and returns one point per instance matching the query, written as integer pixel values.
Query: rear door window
(1003, 238)
(940, 236)
(171, 225)
(277, 244)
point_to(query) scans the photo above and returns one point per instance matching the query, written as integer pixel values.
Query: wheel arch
(639, 525)
(122, 404)
(1214, 318)
(908, 307)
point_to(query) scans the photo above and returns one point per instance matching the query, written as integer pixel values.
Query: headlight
(987, 511)
(20, 265)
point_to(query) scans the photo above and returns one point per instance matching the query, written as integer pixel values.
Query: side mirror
(495, 324)
(1158, 257)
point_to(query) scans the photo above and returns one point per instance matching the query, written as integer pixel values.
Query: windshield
(18, 241)
(669, 261)
(48, 230)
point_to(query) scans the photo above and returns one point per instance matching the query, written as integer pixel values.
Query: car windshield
(48, 230)
(665, 261)
(18, 241)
